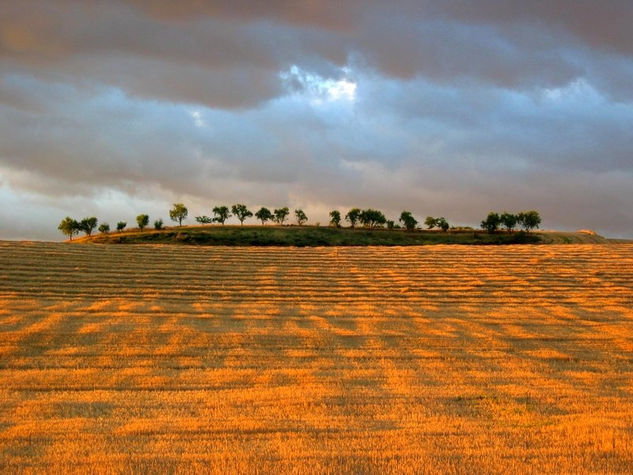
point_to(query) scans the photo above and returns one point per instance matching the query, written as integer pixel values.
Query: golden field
(439, 359)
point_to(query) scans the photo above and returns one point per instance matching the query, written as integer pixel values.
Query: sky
(451, 108)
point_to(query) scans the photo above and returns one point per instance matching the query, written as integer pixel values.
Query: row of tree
(241, 212)
(369, 218)
(528, 220)
(71, 227)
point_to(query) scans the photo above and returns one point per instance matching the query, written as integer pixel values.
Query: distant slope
(580, 237)
(301, 236)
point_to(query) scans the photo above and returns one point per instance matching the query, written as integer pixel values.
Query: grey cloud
(605, 25)
(171, 50)
(120, 107)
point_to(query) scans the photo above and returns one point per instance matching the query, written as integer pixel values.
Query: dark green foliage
(301, 217)
(442, 223)
(221, 214)
(88, 225)
(158, 224)
(104, 228)
(491, 223)
(335, 218)
(142, 220)
(430, 222)
(281, 214)
(353, 216)
(264, 214)
(408, 221)
(372, 218)
(312, 236)
(529, 219)
(390, 224)
(204, 219)
(508, 220)
(69, 227)
(178, 213)
(120, 226)
(241, 212)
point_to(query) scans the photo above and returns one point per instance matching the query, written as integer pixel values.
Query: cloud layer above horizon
(453, 108)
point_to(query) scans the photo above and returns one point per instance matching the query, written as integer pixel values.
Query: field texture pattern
(309, 360)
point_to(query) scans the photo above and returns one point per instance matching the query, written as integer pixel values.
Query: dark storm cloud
(171, 49)
(450, 107)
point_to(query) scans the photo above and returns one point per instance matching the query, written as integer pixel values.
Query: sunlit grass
(442, 359)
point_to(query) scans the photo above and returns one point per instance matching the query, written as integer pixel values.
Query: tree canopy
(353, 216)
(264, 214)
(69, 227)
(372, 218)
(142, 220)
(442, 223)
(529, 219)
(408, 221)
(178, 212)
(301, 217)
(335, 218)
(508, 220)
(491, 223)
(88, 225)
(241, 212)
(281, 214)
(221, 214)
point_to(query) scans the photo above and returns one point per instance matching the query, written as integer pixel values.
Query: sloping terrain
(560, 237)
(301, 236)
(440, 359)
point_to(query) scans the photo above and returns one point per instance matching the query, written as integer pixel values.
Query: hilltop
(216, 235)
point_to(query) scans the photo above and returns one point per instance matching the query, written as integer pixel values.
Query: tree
(221, 214)
(142, 220)
(390, 224)
(104, 228)
(264, 214)
(281, 214)
(178, 213)
(69, 227)
(509, 220)
(87, 225)
(204, 219)
(120, 226)
(372, 218)
(430, 222)
(353, 216)
(158, 224)
(529, 219)
(241, 212)
(301, 217)
(335, 218)
(408, 221)
(491, 223)
(442, 223)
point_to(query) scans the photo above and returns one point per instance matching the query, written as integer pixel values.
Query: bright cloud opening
(317, 88)
(198, 121)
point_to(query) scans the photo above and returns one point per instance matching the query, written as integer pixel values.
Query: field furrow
(438, 359)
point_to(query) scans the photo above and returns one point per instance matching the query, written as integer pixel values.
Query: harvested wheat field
(308, 360)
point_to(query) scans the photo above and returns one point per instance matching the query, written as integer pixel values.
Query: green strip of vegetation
(308, 236)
